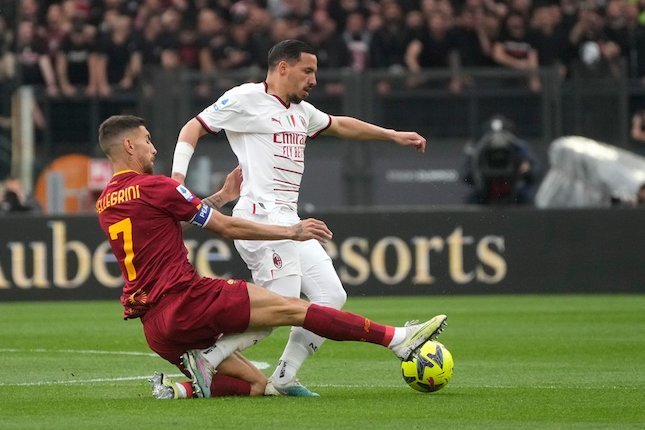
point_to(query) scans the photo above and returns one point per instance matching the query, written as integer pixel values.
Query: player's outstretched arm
(229, 191)
(351, 128)
(186, 144)
(237, 228)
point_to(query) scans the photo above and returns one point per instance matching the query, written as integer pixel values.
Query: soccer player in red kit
(183, 313)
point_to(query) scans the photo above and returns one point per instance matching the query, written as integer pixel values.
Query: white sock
(284, 373)
(399, 336)
(302, 343)
(249, 339)
(227, 345)
(219, 351)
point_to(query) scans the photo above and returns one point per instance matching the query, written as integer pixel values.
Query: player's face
(145, 151)
(301, 76)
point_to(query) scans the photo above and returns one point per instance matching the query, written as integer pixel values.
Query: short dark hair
(113, 127)
(288, 50)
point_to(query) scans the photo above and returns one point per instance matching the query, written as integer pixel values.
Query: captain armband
(202, 216)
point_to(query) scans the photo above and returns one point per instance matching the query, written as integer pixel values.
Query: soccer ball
(429, 369)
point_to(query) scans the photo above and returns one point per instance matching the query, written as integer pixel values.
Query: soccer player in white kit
(267, 125)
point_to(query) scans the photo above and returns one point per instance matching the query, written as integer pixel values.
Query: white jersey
(269, 141)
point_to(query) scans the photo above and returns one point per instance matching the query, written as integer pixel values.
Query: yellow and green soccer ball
(429, 369)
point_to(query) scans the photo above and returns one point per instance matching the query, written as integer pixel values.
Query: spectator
(289, 8)
(55, 30)
(212, 38)
(434, 48)
(638, 126)
(473, 41)
(523, 7)
(146, 11)
(267, 31)
(387, 50)
(330, 45)
(331, 49)
(150, 43)
(237, 53)
(7, 71)
(7, 60)
(640, 196)
(597, 55)
(357, 40)
(548, 37)
(35, 68)
(513, 49)
(431, 7)
(30, 11)
(14, 198)
(116, 59)
(415, 22)
(169, 38)
(35, 65)
(635, 52)
(497, 8)
(72, 60)
(188, 48)
(77, 9)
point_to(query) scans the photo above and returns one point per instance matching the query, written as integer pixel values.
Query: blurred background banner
(408, 252)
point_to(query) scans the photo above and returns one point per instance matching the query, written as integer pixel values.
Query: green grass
(520, 362)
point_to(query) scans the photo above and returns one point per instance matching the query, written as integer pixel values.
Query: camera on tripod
(499, 166)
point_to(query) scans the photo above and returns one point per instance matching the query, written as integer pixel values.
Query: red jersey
(140, 214)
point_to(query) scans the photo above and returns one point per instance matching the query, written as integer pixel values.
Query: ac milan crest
(277, 261)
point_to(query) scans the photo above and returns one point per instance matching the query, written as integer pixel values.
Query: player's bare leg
(237, 366)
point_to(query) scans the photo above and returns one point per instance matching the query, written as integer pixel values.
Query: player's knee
(326, 289)
(338, 298)
(333, 296)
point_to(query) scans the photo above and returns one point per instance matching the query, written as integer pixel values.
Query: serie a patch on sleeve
(202, 216)
(185, 192)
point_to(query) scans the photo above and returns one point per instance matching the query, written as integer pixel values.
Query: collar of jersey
(120, 172)
(282, 102)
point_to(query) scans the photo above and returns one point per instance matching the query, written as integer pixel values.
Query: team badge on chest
(277, 260)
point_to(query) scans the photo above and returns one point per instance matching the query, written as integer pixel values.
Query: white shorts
(274, 259)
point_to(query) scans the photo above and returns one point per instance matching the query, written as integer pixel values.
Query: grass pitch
(520, 362)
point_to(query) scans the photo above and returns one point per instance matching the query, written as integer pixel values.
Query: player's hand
(231, 188)
(410, 138)
(311, 228)
(229, 191)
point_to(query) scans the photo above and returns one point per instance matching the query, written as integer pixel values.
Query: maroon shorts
(195, 318)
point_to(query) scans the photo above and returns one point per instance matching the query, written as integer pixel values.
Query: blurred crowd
(96, 47)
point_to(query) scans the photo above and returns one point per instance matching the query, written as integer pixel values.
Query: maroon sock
(223, 385)
(341, 325)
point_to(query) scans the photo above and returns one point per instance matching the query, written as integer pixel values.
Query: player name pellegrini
(117, 197)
